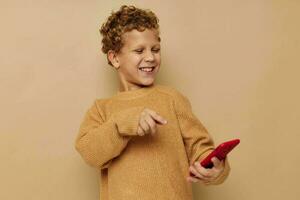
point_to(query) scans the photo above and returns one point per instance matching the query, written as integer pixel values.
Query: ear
(112, 56)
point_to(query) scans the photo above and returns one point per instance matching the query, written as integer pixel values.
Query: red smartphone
(220, 152)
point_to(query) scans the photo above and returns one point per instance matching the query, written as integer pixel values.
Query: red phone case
(220, 152)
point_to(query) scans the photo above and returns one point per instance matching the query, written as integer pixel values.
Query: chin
(147, 82)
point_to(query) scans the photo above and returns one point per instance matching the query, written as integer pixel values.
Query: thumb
(216, 162)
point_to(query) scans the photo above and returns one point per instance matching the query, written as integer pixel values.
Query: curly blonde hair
(124, 20)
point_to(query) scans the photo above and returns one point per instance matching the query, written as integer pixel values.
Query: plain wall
(237, 62)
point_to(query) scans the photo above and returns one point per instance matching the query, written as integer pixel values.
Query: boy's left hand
(206, 175)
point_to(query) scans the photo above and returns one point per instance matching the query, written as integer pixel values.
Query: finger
(140, 131)
(194, 171)
(144, 125)
(203, 171)
(191, 179)
(205, 182)
(217, 163)
(195, 180)
(151, 124)
(157, 117)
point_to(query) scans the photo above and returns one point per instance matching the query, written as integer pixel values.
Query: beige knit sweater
(133, 167)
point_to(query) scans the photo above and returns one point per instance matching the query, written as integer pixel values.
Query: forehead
(135, 38)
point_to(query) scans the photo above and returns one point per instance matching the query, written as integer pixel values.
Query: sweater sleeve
(198, 142)
(100, 140)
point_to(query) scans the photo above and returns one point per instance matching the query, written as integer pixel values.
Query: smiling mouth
(147, 69)
(150, 69)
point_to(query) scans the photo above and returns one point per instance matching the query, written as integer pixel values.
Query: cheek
(139, 62)
(133, 63)
(158, 56)
(158, 60)
(135, 59)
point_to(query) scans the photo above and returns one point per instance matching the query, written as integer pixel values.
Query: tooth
(147, 69)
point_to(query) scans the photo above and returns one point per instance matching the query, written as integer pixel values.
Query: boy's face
(141, 49)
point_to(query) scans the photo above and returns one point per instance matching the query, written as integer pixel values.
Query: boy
(145, 140)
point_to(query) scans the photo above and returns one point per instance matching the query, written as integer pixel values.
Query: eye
(139, 51)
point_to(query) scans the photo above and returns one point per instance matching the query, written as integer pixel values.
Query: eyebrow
(140, 45)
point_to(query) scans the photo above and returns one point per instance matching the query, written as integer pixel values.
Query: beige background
(237, 61)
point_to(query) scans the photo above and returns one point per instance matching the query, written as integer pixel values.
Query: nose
(149, 56)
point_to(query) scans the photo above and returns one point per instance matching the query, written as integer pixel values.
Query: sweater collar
(132, 94)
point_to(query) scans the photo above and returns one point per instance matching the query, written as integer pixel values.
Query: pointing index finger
(157, 117)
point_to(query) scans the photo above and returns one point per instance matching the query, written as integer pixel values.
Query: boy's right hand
(148, 121)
